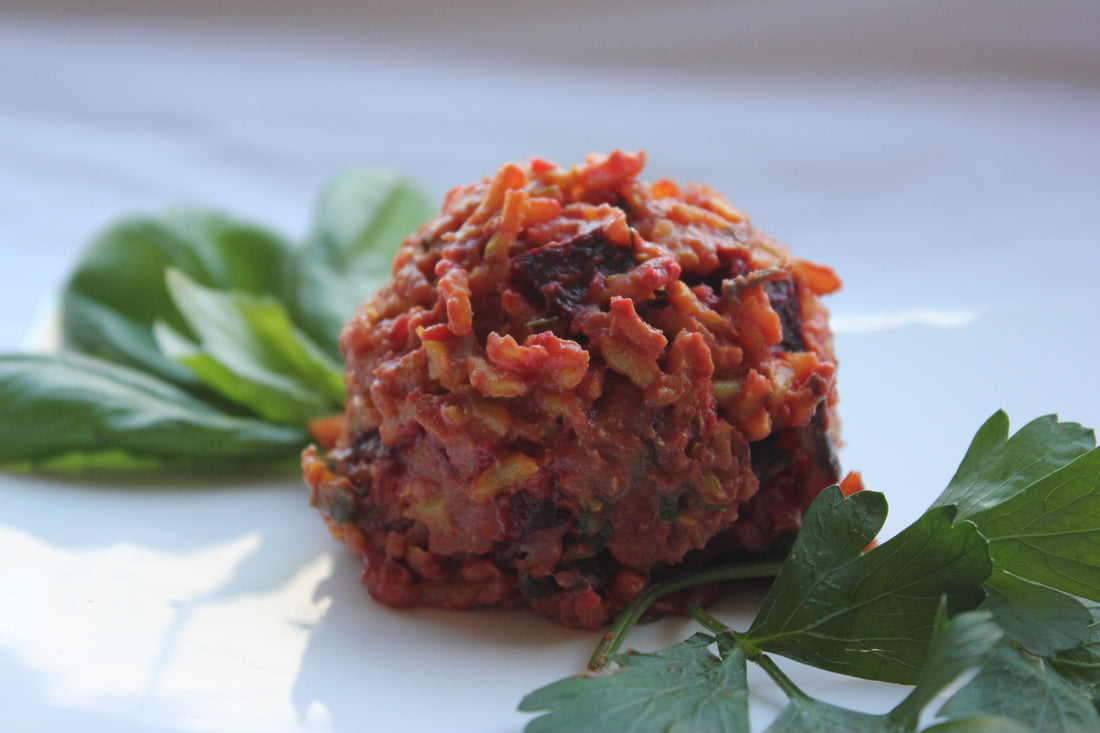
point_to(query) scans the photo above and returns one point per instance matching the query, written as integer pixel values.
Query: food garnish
(194, 339)
(1000, 577)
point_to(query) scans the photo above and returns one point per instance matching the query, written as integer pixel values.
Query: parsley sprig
(1000, 578)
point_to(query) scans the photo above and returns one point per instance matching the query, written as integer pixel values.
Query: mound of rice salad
(576, 383)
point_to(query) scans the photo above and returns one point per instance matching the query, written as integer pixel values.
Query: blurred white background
(951, 145)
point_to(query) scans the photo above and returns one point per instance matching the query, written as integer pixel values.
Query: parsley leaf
(868, 614)
(1014, 535)
(684, 688)
(1050, 532)
(957, 646)
(803, 713)
(1041, 619)
(997, 467)
(1081, 665)
(1016, 685)
(979, 724)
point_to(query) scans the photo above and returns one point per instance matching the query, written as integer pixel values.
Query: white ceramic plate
(951, 179)
(225, 606)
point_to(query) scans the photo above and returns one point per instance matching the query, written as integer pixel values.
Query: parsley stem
(785, 683)
(704, 619)
(630, 615)
(710, 623)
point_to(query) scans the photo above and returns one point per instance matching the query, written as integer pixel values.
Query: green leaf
(803, 714)
(957, 646)
(997, 467)
(289, 350)
(683, 688)
(979, 724)
(1034, 496)
(1081, 665)
(869, 614)
(118, 291)
(360, 220)
(274, 398)
(223, 309)
(1042, 620)
(1015, 685)
(69, 407)
(250, 352)
(91, 327)
(1050, 532)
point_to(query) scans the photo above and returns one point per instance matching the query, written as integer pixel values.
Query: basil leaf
(289, 350)
(1042, 620)
(67, 406)
(272, 397)
(1016, 685)
(997, 467)
(683, 688)
(118, 291)
(250, 352)
(869, 614)
(360, 220)
(224, 309)
(99, 330)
